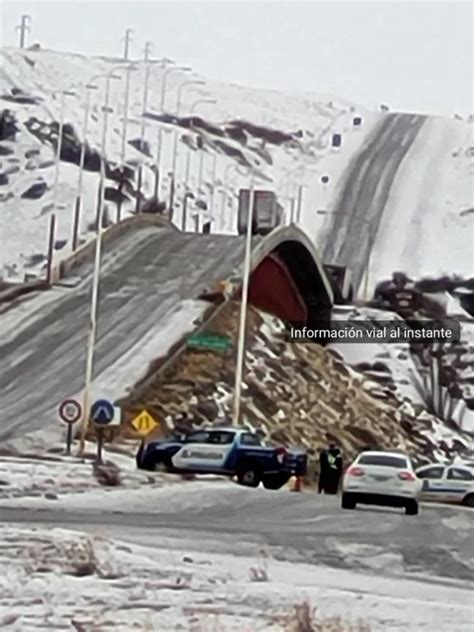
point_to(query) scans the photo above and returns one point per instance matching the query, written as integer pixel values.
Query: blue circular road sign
(102, 412)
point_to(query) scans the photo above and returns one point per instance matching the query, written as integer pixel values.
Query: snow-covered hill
(31, 82)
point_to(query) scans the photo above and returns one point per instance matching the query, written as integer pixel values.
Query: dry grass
(305, 618)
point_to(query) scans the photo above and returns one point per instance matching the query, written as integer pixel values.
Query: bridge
(151, 275)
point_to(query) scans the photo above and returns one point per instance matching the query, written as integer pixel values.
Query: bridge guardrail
(86, 251)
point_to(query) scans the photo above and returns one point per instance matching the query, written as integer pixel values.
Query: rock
(35, 260)
(208, 409)
(201, 204)
(8, 127)
(59, 244)
(32, 152)
(141, 145)
(11, 170)
(45, 164)
(188, 560)
(36, 191)
(3, 179)
(380, 367)
(50, 496)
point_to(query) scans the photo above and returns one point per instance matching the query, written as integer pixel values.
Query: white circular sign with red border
(70, 411)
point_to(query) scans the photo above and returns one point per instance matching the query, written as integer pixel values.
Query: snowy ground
(53, 476)
(60, 579)
(24, 223)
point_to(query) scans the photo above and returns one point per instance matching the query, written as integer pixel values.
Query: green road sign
(209, 341)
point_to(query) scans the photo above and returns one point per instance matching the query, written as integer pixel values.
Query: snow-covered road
(360, 206)
(246, 556)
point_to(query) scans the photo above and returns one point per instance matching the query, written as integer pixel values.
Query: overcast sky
(412, 55)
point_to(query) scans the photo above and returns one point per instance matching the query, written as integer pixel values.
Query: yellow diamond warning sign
(144, 423)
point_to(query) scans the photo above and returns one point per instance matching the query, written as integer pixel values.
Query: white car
(381, 478)
(447, 483)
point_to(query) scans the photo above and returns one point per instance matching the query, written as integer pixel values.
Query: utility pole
(127, 41)
(147, 50)
(23, 27)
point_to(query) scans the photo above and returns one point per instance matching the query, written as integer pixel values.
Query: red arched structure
(273, 290)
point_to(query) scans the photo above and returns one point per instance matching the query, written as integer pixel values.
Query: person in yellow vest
(331, 465)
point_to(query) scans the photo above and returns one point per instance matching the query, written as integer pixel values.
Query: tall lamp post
(164, 80)
(128, 70)
(243, 307)
(224, 194)
(189, 154)
(190, 82)
(59, 145)
(96, 273)
(371, 240)
(148, 65)
(193, 108)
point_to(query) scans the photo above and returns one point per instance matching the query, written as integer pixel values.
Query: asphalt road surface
(359, 209)
(43, 342)
(436, 545)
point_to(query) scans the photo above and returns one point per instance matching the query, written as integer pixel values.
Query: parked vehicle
(381, 478)
(447, 483)
(227, 451)
(267, 212)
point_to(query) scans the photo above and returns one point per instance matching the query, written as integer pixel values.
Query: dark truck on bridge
(267, 212)
(224, 451)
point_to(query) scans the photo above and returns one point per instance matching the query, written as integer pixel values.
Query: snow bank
(58, 579)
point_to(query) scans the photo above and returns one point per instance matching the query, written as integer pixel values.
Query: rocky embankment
(296, 394)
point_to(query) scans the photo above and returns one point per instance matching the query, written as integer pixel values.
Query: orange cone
(298, 487)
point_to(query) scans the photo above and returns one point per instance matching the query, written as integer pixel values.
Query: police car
(447, 483)
(229, 451)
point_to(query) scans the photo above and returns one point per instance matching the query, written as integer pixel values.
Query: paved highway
(359, 208)
(144, 282)
(303, 527)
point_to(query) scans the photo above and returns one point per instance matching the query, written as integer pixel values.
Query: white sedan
(447, 483)
(381, 478)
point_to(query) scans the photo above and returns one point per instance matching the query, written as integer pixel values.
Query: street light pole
(201, 155)
(124, 137)
(96, 274)
(213, 184)
(59, 144)
(243, 308)
(191, 82)
(224, 192)
(77, 208)
(142, 135)
(166, 74)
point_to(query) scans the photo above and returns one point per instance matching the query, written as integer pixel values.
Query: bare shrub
(305, 618)
(107, 475)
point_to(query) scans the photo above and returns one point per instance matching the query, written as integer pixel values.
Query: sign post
(69, 411)
(102, 414)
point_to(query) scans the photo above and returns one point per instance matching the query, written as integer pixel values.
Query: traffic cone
(298, 486)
